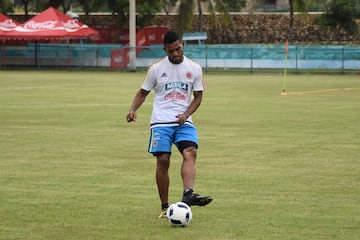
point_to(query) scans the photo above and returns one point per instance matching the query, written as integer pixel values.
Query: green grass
(278, 167)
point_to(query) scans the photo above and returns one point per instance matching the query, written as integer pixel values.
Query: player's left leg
(187, 144)
(186, 140)
(188, 173)
(188, 168)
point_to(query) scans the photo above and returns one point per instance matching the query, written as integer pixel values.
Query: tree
(6, 6)
(185, 17)
(39, 5)
(91, 5)
(145, 9)
(341, 15)
(234, 6)
(294, 5)
(223, 8)
(26, 9)
(220, 10)
(65, 5)
(59, 3)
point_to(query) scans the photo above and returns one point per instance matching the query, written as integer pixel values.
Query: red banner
(119, 58)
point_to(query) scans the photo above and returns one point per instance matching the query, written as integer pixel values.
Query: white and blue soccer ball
(179, 214)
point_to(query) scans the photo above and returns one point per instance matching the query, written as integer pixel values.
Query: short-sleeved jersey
(173, 85)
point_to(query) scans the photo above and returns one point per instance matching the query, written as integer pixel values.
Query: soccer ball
(179, 214)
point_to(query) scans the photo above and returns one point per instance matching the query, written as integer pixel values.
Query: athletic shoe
(191, 198)
(163, 213)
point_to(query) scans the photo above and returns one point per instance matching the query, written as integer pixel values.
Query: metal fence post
(342, 60)
(296, 59)
(206, 58)
(251, 60)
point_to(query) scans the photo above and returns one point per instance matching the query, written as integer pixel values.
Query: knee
(189, 153)
(163, 161)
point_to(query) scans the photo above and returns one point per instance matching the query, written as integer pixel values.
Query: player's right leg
(162, 180)
(160, 146)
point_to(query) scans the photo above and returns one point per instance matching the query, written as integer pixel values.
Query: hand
(181, 118)
(131, 116)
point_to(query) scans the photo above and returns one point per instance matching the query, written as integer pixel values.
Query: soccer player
(178, 85)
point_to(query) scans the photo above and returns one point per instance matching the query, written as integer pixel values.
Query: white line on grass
(322, 91)
(63, 105)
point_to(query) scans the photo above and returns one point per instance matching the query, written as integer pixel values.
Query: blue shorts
(162, 138)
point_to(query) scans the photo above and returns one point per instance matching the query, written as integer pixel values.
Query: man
(174, 80)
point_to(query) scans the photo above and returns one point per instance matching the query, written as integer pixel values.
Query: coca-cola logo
(142, 41)
(46, 25)
(152, 37)
(8, 24)
(71, 24)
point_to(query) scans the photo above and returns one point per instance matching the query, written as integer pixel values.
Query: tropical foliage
(341, 15)
(5, 6)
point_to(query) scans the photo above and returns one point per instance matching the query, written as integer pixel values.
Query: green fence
(219, 57)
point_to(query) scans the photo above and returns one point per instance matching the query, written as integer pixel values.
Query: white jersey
(173, 85)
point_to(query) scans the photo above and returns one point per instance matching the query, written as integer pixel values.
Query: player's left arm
(194, 105)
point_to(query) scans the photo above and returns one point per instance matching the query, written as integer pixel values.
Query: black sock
(164, 205)
(188, 192)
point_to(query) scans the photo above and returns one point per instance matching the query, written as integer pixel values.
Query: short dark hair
(170, 37)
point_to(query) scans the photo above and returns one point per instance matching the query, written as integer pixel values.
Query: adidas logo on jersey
(163, 75)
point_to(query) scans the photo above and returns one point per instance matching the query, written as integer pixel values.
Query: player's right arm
(137, 102)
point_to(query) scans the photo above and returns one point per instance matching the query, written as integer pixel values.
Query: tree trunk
(291, 23)
(26, 10)
(213, 10)
(200, 16)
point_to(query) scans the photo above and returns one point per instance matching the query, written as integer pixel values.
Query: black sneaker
(195, 199)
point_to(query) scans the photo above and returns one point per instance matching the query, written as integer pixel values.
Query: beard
(176, 59)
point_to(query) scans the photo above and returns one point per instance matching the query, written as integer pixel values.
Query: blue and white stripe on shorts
(162, 137)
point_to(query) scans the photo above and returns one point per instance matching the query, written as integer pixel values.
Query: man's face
(175, 51)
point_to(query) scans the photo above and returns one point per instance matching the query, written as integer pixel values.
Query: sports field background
(278, 167)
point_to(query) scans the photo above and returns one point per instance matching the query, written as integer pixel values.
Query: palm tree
(187, 7)
(6, 6)
(299, 5)
(26, 3)
(341, 15)
(294, 5)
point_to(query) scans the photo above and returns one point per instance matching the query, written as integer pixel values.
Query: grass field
(278, 167)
